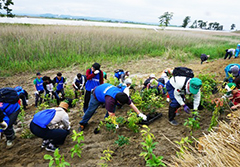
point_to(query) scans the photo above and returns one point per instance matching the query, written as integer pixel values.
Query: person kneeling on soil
(111, 96)
(178, 87)
(47, 125)
(232, 71)
(235, 99)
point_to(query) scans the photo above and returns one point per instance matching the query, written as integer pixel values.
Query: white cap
(128, 81)
(152, 76)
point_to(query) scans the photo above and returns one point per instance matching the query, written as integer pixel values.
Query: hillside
(27, 152)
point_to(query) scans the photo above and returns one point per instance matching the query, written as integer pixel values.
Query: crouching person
(111, 96)
(177, 88)
(46, 125)
(9, 113)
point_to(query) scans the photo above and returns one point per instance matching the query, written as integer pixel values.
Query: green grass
(32, 48)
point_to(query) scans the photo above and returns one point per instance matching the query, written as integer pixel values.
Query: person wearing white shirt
(178, 87)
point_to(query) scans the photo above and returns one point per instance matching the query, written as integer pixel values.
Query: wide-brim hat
(63, 105)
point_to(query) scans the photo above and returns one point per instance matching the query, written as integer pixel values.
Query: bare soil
(27, 152)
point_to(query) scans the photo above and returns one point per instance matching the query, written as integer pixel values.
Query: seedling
(216, 113)
(148, 147)
(182, 145)
(57, 159)
(193, 122)
(133, 119)
(27, 134)
(155, 161)
(21, 117)
(120, 120)
(122, 140)
(106, 158)
(77, 149)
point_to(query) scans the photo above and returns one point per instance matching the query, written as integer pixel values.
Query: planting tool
(151, 118)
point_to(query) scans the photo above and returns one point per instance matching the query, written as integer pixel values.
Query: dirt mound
(27, 152)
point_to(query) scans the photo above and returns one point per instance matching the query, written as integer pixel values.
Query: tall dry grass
(38, 47)
(220, 148)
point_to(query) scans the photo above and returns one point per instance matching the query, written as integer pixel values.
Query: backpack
(8, 95)
(185, 72)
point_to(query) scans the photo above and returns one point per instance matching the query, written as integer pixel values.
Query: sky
(225, 12)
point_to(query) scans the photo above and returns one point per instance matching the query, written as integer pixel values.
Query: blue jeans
(170, 89)
(93, 105)
(57, 136)
(237, 53)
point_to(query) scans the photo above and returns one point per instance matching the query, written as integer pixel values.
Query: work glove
(186, 109)
(3, 125)
(37, 92)
(116, 126)
(168, 99)
(96, 72)
(144, 117)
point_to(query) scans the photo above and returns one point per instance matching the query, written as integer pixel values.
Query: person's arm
(178, 97)
(196, 100)
(89, 75)
(26, 94)
(135, 109)
(74, 81)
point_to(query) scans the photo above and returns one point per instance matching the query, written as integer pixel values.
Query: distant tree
(220, 27)
(215, 25)
(186, 21)
(165, 18)
(194, 25)
(200, 23)
(4, 5)
(210, 26)
(233, 26)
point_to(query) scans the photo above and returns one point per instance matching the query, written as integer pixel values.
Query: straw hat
(64, 105)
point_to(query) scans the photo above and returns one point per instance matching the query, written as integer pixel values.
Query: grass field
(31, 48)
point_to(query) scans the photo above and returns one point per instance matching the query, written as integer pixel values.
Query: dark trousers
(77, 90)
(57, 136)
(60, 91)
(86, 100)
(9, 132)
(55, 95)
(37, 97)
(23, 98)
(228, 53)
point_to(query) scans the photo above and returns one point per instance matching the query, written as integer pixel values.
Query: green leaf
(47, 157)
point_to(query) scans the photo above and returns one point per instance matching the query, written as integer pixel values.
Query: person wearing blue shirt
(232, 71)
(111, 96)
(60, 82)
(23, 95)
(237, 50)
(9, 113)
(39, 90)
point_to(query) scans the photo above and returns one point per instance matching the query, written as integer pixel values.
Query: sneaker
(81, 128)
(173, 122)
(51, 147)
(9, 143)
(45, 143)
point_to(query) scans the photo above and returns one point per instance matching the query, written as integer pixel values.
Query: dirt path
(27, 152)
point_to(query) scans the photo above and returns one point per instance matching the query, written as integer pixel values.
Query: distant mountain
(49, 15)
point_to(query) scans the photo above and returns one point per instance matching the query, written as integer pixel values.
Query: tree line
(166, 17)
